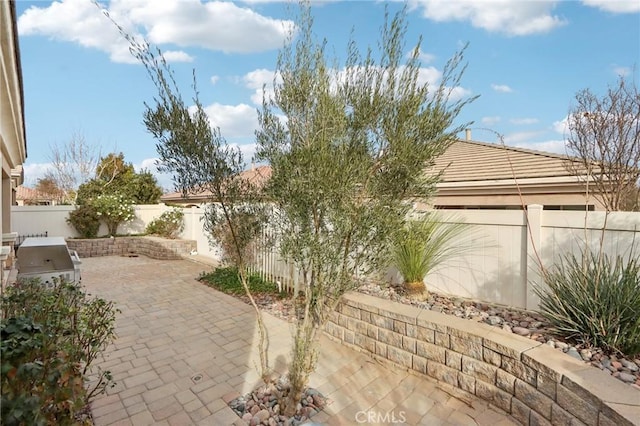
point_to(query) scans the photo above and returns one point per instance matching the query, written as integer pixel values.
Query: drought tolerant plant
(113, 210)
(242, 244)
(201, 161)
(169, 225)
(422, 245)
(85, 220)
(594, 300)
(346, 163)
(50, 338)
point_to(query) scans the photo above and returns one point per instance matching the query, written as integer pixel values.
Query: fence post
(534, 255)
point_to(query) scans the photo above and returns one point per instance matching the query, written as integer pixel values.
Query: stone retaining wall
(153, 247)
(536, 384)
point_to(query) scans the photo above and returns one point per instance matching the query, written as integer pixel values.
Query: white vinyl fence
(501, 265)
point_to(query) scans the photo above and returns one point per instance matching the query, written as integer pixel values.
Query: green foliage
(348, 160)
(228, 281)
(50, 338)
(201, 161)
(114, 210)
(115, 176)
(143, 188)
(238, 247)
(169, 225)
(423, 244)
(85, 220)
(595, 300)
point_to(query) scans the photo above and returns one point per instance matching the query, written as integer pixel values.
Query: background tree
(114, 176)
(347, 163)
(604, 134)
(48, 187)
(73, 163)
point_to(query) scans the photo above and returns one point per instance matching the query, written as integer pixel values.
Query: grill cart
(48, 258)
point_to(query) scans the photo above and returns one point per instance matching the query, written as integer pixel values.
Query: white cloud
(524, 121)
(489, 121)
(520, 138)
(615, 6)
(35, 171)
(502, 88)
(561, 126)
(621, 71)
(248, 150)
(221, 26)
(214, 79)
(151, 164)
(233, 120)
(429, 75)
(458, 92)
(554, 146)
(424, 57)
(513, 18)
(177, 56)
(256, 80)
(81, 22)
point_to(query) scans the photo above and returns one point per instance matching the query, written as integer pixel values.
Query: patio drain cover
(196, 378)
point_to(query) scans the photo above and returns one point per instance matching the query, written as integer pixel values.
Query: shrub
(594, 300)
(50, 338)
(248, 223)
(85, 220)
(228, 281)
(113, 210)
(424, 244)
(169, 225)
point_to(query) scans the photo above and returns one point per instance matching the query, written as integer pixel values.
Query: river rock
(631, 366)
(521, 331)
(574, 353)
(627, 378)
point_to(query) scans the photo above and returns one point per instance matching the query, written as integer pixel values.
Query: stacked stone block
(536, 384)
(153, 247)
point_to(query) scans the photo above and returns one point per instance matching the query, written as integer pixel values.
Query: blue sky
(526, 60)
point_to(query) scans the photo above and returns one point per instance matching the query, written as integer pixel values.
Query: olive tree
(348, 147)
(604, 135)
(201, 161)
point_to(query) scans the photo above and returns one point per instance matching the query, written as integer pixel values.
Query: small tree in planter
(113, 210)
(345, 162)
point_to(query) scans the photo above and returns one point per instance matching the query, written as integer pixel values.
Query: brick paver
(183, 348)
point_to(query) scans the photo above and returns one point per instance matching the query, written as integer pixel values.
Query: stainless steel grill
(48, 258)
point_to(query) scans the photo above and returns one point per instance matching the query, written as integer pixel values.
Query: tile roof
(477, 161)
(26, 193)
(256, 175)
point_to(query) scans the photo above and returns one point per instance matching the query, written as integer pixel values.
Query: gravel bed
(262, 406)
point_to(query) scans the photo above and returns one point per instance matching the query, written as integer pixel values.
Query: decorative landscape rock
(262, 406)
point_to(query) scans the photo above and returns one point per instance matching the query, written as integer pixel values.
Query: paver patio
(184, 349)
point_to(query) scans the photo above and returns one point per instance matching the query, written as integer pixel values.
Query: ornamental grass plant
(594, 299)
(422, 245)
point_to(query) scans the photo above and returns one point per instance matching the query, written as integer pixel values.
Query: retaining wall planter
(153, 247)
(536, 384)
